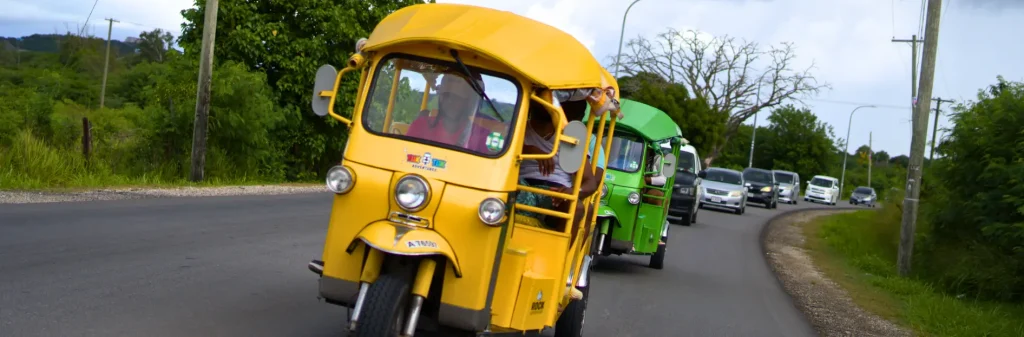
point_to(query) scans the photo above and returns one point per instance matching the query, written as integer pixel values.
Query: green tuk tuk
(637, 184)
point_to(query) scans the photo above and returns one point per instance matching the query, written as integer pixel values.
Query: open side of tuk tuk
(638, 182)
(426, 231)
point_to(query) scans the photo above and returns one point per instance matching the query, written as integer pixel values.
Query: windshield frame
(379, 65)
(736, 173)
(831, 183)
(792, 177)
(631, 137)
(770, 175)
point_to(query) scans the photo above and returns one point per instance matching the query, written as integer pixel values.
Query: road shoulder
(31, 197)
(825, 304)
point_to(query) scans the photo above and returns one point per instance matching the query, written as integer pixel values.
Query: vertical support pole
(199, 132)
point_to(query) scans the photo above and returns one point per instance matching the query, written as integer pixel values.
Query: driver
(457, 104)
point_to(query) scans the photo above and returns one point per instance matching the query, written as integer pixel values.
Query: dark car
(863, 195)
(761, 187)
(683, 209)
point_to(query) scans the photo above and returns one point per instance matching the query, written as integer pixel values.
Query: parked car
(822, 189)
(723, 188)
(686, 191)
(863, 195)
(789, 186)
(761, 187)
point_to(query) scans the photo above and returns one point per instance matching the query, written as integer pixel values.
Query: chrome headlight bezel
(604, 190)
(340, 179)
(491, 206)
(633, 198)
(416, 181)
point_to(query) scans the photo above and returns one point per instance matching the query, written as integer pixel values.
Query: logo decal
(421, 244)
(538, 305)
(495, 142)
(426, 162)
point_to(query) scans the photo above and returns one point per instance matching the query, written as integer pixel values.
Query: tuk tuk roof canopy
(544, 54)
(647, 121)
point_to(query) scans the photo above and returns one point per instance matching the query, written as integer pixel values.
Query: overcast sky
(848, 40)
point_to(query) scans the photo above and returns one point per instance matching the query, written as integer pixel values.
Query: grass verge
(858, 251)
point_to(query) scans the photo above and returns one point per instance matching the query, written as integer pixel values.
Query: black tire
(385, 302)
(570, 323)
(658, 259)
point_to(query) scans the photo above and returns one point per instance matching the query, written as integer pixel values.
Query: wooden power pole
(106, 63)
(203, 92)
(935, 126)
(870, 157)
(920, 135)
(913, 67)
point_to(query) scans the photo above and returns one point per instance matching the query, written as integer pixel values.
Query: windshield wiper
(472, 83)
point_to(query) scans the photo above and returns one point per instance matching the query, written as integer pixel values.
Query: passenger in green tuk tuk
(656, 179)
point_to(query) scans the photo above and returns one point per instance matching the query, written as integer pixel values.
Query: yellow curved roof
(544, 54)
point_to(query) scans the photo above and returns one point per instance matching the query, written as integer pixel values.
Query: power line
(82, 31)
(887, 106)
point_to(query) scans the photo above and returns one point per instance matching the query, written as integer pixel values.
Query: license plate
(750, 194)
(716, 199)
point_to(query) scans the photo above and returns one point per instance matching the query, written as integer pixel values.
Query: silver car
(789, 186)
(723, 189)
(863, 195)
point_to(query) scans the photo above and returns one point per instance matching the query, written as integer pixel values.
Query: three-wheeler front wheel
(570, 323)
(383, 310)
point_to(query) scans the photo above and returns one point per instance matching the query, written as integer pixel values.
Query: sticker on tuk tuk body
(495, 141)
(609, 177)
(426, 162)
(538, 305)
(421, 244)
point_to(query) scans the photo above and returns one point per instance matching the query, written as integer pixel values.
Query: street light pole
(622, 33)
(846, 151)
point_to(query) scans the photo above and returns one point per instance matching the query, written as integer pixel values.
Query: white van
(823, 189)
(687, 190)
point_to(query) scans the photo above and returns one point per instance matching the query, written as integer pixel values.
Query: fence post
(86, 138)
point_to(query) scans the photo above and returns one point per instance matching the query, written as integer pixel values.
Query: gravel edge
(32, 197)
(825, 304)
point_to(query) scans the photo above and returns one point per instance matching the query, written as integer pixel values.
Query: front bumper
(818, 197)
(681, 207)
(760, 197)
(786, 195)
(722, 201)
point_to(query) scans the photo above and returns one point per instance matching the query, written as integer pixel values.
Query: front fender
(398, 239)
(605, 211)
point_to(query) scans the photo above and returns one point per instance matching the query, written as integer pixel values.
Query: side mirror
(668, 164)
(570, 157)
(325, 77)
(702, 174)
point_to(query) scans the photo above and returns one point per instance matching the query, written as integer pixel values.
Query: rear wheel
(383, 311)
(658, 259)
(570, 323)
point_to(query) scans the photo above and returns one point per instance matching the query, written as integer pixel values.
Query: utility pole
(871, 152)
(920, 135)
(203, 92)
(935, 126)
(913, 68)
(753, 136)
(106, 63)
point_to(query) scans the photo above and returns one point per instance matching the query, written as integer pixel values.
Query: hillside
(50, 43)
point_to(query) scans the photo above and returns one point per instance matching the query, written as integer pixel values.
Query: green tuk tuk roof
(646, 121)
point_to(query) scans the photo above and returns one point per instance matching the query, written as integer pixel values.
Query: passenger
(656, 179)
(457, 104)
(545, 173)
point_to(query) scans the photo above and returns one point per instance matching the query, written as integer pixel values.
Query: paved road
(235, 266)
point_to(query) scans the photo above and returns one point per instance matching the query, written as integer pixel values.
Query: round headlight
(634, 198)
(412, 193)
(604, 190)
(340, 179)
(492, 211)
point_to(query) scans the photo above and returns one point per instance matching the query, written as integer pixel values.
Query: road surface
(236, 266)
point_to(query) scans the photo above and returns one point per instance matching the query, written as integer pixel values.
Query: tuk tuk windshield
(627, 152)
(435, 103)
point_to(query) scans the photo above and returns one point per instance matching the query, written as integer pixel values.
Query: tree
(153, 45)
(734, 77)
(901, 160)
(799, 142)
(288, 41)
(881, 157)
(701, 127)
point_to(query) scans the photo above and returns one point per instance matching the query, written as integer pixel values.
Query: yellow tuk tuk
(427, 230)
